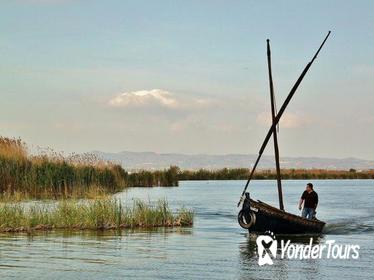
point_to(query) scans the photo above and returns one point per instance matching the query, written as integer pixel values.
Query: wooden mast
(275, 137)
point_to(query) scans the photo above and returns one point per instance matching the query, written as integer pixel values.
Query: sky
(187, 76)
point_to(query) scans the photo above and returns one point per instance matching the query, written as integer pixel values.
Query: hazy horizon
(186, 77)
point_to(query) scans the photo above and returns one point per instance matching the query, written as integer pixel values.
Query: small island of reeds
(97, 214)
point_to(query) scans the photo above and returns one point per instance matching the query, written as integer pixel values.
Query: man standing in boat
(310, 200)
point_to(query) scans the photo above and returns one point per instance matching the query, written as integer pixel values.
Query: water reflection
(98, 235)
(94, 252)
(282, 268)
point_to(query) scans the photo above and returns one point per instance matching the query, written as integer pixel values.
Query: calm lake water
(214, 248)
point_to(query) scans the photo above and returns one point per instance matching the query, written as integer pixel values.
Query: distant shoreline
(53, 176)
(270, 174)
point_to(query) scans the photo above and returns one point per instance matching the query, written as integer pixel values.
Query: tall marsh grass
(52, 175)
(90, 214)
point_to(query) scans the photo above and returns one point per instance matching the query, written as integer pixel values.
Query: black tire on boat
(243, 219)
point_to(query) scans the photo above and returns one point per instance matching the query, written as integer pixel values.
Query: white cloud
(144, 98)
(156, 98)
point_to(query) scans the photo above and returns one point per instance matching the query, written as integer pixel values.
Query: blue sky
(187, 76)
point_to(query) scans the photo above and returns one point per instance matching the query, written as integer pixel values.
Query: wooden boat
(261, 217)
(257, 216)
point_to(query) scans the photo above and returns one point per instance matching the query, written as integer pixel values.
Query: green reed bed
(54, 175)
(98, 214)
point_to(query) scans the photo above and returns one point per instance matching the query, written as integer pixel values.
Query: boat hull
(269, 218)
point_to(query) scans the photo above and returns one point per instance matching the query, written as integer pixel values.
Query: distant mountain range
(151, 161)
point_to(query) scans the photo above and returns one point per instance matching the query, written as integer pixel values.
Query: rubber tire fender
(241, 219)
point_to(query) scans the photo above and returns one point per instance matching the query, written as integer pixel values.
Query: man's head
(309, 187)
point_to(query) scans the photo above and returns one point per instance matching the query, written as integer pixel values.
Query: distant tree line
(270, 174)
